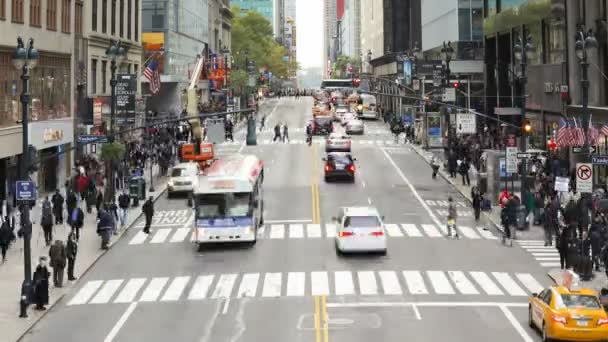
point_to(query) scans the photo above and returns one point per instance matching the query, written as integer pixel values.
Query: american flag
(153, 76)
(604, 130)
(594, 134)
(579, 135)
(563, 133)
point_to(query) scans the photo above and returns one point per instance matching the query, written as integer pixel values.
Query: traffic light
(456, 85)
(527, 127)
(356, 82)
(551, 145)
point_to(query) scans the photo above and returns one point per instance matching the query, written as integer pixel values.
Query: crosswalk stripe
(272, 285)
(390, 283)
(296, 231)
(468, 232)
(411, 230)
(249, 285)
(531, 242)
(86, 292)
(484, 281)
(486, 234)
(106, 291)
(319, 283)
(555, 253)
(153, 290)
(129, 292)
(277, 231)
(330, 230)
(540, 250)
(440, 282)
(223, 289)
(393, 230)
(555, 258)
(180, 235)
(462, 283)
(296, 283)
(344, 283)
(550, 264)
(505, 280)
(175, 289)
(201, 287)
(431, 230)
(367, 283)
(530, 247)
(415, 282)
(139, 238)
(161, 235)
(529, 282)
(313, 230)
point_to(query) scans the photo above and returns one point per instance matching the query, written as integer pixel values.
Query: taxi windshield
(224, 205)
(576, 301)
(361, 221)
(182, 172)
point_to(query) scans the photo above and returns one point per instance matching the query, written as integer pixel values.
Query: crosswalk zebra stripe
(272, 285)
(249, 285)
(505, 280)
(107, 291)
(531, 242)
(180, 235)
(415, 282)
(201, 287)
(390, 283)
(393, 230)
(296, 231)
(529, 282)
(161, 235)
(139, 238)
(411, 230)
(130, 290)
(462, 283)
(224, 286)
(296, 283)
(536, 254)
(555, 258)
(319, 283)
(550, 264)
(468, 232)
(277, 231)
(440, 282)
(175, 289)
(529, 247)
(86, 292)
(313, 230)
(431, 230)
(330, 230)
(344, 283)
(484, 281)
(153, 290)
(367, 283)
(486, 234)
(540, 250)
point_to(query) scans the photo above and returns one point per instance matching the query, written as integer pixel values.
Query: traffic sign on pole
(511, 159)
(524, 155)
(584, 177)
(26, 191)
(599, 160)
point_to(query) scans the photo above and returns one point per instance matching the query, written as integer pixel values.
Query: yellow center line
(325, 319)
(317, 320)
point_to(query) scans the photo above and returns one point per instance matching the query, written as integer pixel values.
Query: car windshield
(340, 158)
(223, 205)
(361, 221)
(575, 301)
(182, 172)
(323, 121)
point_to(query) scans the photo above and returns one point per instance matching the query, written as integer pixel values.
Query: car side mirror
(534, 294)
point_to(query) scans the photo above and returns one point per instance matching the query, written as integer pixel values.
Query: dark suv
(322, 125)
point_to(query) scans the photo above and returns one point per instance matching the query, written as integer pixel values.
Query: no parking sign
(584, 177)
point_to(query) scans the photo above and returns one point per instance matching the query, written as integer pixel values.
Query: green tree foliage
(341, 65)
(112, 152)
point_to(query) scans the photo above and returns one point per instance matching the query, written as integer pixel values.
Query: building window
(66, 14)
(135, 69)
(51, 15)
(104, 67)
(2, 9)
(535, 30)
(35, 19)
(17, 11)
(113, 14)
(78, 17)
(94, 15)
(104, 16)
(555, 40)
(121, 25)
(129, 3)
(93, 76)
(136, 20)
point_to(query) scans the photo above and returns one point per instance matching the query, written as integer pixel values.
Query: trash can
(521, 218)
(137, 189)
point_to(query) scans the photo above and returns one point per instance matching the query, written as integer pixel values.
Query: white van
(183, 178)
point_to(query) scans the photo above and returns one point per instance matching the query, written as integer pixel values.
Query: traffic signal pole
(524, 132)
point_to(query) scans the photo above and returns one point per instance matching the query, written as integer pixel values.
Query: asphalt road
(291, 286)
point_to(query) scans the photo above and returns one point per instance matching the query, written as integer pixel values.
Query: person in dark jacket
(277, 133)
(58, 261)
(562, 247)
(596, 241)
(549, 224)
(46, 221)
(105, 226)
(57, 200)
(6, 236)
(41, 284)
(99, 201)
(76, 221)
(452, 163)
(571, 212)
(583, 205)
(477, 198)
(148, 210)
(71, 250)
(463, 169)
(123, 203)
(71, 200)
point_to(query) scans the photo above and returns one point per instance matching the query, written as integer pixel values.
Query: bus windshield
(224, 205)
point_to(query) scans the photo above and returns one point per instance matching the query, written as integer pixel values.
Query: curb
(51, 306)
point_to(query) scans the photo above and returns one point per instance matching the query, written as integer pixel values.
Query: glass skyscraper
(264, 7)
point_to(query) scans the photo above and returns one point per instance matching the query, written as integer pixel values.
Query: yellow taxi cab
(567, 314)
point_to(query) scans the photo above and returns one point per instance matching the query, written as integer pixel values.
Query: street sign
(524, 155)
(599, 160)
(466, 124)
(449, 95)
(511, 159)
(583, 150)
(26, 191)
(562, 184)
(584, 177)
(87, 139)
(126, 89)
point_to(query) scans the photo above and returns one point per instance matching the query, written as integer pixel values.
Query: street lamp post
(25, 59)
(448, 52)
(585, 43)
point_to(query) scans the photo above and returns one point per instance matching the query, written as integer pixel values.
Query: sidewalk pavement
(89, 251)
(596, 283)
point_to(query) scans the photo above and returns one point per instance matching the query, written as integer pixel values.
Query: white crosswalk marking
(249, 285)
(505, 280)
(330, 230)
(468, 232)
(550, 264)
(390, 283)
(129, 292)
(272, 285)
(86, 292)
(545, 254)
(411, 230)
(153, 290)
(529, 282)
(344, 283)
(296, 283)
(180, 235)
(486, 234)
(431, 230)
(223, 289)
(367, 283)
(319, 283)
(107, 291)
(464, 285)
(139, 238)
(161, 235)
(313, 230)
(415, 282)
(440, 282)
(277, 231)
(261, 231)
(484, 281)
(175, 289)
(296, 231)
(393, 230)
(201, 287)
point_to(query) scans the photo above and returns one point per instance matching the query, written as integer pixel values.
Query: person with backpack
(46, 221)
(123, 203)
(76, 221)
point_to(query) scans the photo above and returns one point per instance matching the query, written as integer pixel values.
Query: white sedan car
(347, 117)
(354, 126)
(360, 229)
(183, 178)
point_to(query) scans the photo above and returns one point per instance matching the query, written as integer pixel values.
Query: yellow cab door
(541, 307)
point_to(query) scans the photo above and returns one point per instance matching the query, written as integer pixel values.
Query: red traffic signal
(456, 85)
(551, 145)
(356, 82)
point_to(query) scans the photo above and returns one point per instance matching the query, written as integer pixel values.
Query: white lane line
(529, 282)
(486, 234)
(153, 290)
(416, 312)
(330, 230)
(415, 282)
(505, 280)
(161, 235)
(223, 289)
(129, 292)
(277, 231)
(180, 235)
(390, 283)
(462, 283)
(393, 230)
(175, 289)
(249, 285)
(201, 287)
(344, 283)
(296, 284)
(484, 281)
(272, 285)
(86, 292)
(409, 184)
(319, 283)
(226, 304)
(287, 221)
(367, 283)
(369, 201)
(121, 321)
(468, 232)
(531, 242)
(431, 230)
(106, 291)
(313, 230)
(529, 247)
(515, 323)
(411, 230)
(296, 231)
(440, 282)
(425, 304)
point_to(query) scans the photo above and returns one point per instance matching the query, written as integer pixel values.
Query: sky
(309, 23)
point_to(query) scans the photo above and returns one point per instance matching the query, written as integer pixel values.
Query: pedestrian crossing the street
(547, 256)
(299, 284)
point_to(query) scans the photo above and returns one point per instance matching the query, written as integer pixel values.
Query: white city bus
(228, 202)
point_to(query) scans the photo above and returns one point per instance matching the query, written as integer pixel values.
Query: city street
(292, 285)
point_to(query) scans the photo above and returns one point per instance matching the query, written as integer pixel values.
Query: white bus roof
(237, 173)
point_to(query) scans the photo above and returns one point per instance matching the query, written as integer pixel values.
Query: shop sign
(126, 89)
(97, 110)
(51, 135)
